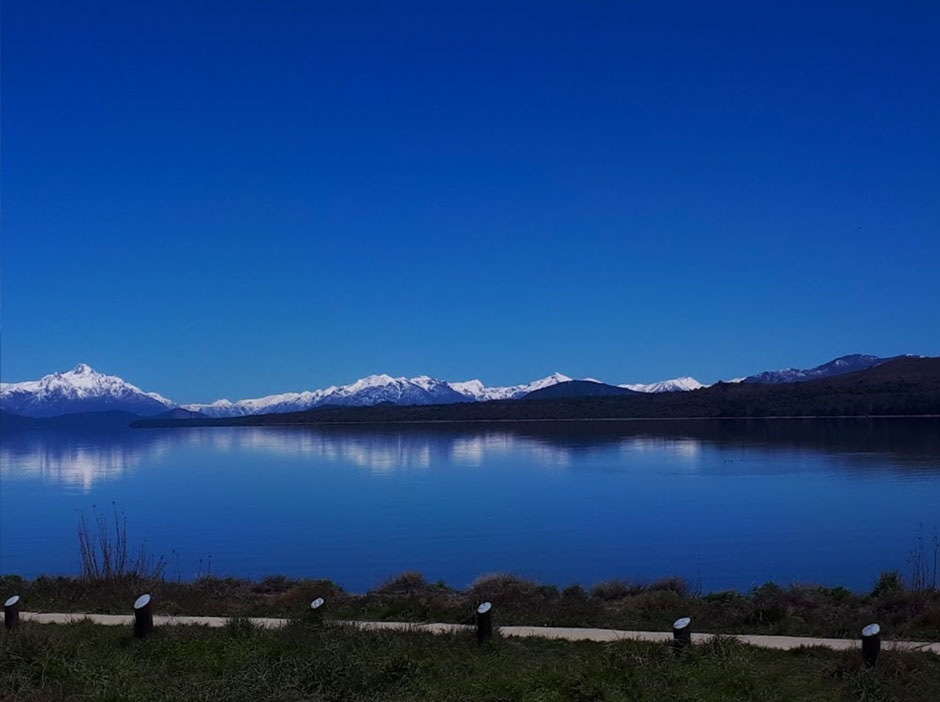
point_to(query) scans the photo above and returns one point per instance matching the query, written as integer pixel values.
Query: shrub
(722, 597)
(769, 604)
(839, 593)
(220, 589)
(768, 589)
(548, 592)
(574, 593)
(616, 589)
(274, 584)
(770, 614)
(312, 588)
(408, 583)
(889, 583)
(503, 589)
(680, 586)
(653, 600)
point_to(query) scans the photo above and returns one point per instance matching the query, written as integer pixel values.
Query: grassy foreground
(904, 613)
(307, 662)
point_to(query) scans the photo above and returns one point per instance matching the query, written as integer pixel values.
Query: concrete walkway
(548, 632)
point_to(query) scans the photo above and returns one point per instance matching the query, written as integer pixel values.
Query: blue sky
(239, 198)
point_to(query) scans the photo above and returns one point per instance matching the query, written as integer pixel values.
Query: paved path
(550, 632)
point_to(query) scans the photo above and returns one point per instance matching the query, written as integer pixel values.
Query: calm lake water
(727, 504)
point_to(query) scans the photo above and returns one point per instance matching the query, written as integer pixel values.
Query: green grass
(306, 662)
(798, 610)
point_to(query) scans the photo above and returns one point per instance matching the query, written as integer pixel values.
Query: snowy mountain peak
(370, 390)
(549, 380)
(468, 386)
(672, 385)
(81, 389)
(477, 391)
(381, 389)
(372, 381)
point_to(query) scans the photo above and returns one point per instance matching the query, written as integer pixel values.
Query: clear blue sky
(239, 198)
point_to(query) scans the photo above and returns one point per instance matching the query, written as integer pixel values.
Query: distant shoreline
(223, 422)
(902, 388)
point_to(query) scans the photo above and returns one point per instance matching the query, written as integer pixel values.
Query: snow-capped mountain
(475, 390)
(374, 390)
(371, 390)
(81, 389)
(284, 402)
(838, 366)
(378, 389)
(673, 385)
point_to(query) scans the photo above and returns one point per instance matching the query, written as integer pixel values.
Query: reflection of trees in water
(906, 441)
(80, 460)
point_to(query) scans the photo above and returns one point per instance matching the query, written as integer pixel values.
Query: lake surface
(725, 503)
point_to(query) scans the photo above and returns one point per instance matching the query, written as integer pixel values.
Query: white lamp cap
(141, 601)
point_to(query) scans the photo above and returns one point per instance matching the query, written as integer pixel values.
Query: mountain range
(83, 389)
(674, 385)
(904, 387)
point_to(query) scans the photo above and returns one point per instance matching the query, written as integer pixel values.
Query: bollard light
(11, 612)
(681, 633)
(484, 622)
(143, 616)
(871, 645)
(315, 614)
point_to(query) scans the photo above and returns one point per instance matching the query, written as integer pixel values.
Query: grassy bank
(304, 662)
(797, 610)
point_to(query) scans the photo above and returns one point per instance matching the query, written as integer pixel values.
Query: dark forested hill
(578, 388)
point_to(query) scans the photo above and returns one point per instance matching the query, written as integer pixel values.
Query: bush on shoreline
(903, 612)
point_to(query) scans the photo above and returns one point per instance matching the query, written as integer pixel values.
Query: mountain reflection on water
(80, 460)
